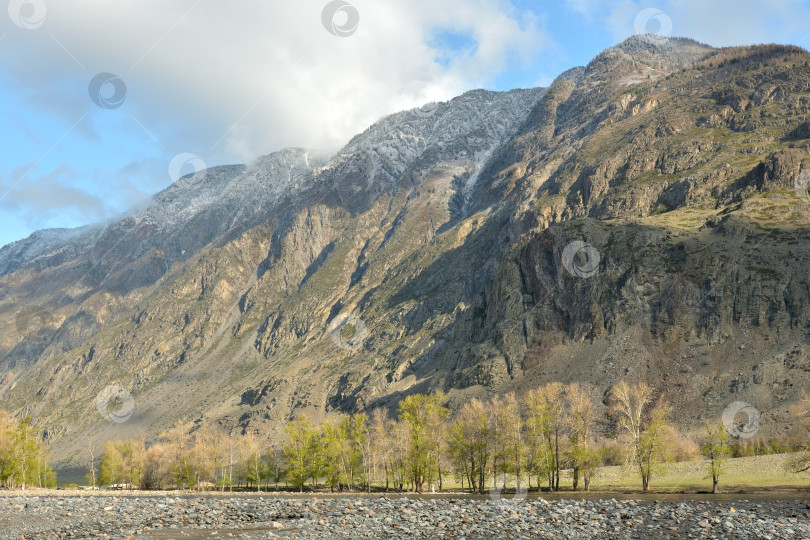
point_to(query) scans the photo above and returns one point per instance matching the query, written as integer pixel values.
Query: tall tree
(400, 452)
(8, 442)
(361, 439)
(111, 470)
(276, 465)
(27, 454)
(205, 454)
(545, 427)
(470, 444)
(337, 451)
(580, 419)
(380, 447)
(357, 429)
(421, 412)
(645, 426)
(509, 443)
(298, 449)
(716, 449)
(253, 463)
(229, 450)
(132, 452)
(176, 443)
(157, 468)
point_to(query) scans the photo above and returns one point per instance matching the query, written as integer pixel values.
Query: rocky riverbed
(197, 517)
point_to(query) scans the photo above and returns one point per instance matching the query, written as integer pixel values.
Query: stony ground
(197, 517)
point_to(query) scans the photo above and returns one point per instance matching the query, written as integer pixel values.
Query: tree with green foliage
(111, 469)
(436, 416)
(545, 429)
(421, 414)
(716, 449)
(470, 444)
(654, 442)
(8, 438)
(343, 445)
(645, 426)
(298, 450)
(355, 427)
(580, 418)
(253, 466)
(122, 462)
(361, 440)
(23, 455)
(132, 452)
(176, 443)
(337, 451)
(276, 464)
(26, 449)
(508, 438)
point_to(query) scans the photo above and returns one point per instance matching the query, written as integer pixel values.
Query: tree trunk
(557, 459)
(714, 484)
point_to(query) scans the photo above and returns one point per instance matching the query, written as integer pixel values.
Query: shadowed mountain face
(639, 219)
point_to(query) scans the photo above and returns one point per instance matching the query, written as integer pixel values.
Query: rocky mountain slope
(639, 219)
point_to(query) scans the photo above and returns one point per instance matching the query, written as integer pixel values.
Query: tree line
(499, 442)
(495, 443)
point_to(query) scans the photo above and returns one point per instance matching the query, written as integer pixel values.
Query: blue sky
(229, 82)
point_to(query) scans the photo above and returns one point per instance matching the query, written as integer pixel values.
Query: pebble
(192, 516)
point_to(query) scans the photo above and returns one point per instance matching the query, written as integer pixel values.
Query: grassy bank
(754, 474)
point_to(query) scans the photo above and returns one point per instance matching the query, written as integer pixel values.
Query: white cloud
(50, 197)
(584, 7)
(232, 80)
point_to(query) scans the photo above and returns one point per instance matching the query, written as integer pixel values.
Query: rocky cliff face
(639, 219)
(665, 241)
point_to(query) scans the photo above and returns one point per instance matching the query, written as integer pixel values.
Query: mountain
(642, 218)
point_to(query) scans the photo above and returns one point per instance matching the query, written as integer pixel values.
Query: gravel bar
(197, 517)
